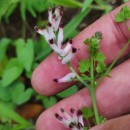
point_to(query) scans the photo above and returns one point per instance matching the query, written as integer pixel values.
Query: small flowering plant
(94, 66)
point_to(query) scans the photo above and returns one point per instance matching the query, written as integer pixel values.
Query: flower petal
(66, 78)
(60, 37)
(68, 47)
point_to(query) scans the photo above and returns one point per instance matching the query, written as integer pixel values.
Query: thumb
(120, 123)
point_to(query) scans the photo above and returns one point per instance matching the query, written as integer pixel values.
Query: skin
(113, 94)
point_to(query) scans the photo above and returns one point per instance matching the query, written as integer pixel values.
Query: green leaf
(120, 17)
(19, 94)
(5, 7)
(84, 66)
(87, 112)
(23, 10)
(94, 46)
(49, 101)
(67, 3)
(100, 2)
(101, 67)
(68, 92)
(100, 57)
(12, 71)
(5, 94)
(86, 4)
(8, 112)
(25, 53)
(10, 11)
(74, 23)
(4, 43)
(123, 15)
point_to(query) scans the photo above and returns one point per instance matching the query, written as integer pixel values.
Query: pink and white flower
(74, 120)
(54, 36)
(67, 78)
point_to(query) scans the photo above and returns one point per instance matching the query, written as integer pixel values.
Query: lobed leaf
(84, 66)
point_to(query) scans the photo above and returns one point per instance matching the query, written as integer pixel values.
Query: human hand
(112, 94)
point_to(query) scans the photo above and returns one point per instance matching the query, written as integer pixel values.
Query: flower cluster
(55, 41)
(53, 34)
(73, 120)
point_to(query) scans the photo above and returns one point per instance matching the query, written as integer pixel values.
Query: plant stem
(113, 63)
(78, 77)
(92, 90)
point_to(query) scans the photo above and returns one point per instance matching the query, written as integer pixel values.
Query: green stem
(113, 63)
(78, 77)
(127, 25)
(95, 109)
(92, 91)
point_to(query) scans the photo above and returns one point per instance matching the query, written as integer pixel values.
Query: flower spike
(53, 34)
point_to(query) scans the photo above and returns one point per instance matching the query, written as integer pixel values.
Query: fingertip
(43, 76)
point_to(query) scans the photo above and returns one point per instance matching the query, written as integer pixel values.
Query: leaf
(19, 94)
(84, 66)
(12, 71)
(120, 17)
(5, 94)
(5, 7)
(123, 15)
(4, 43)
(100, 2)
(100, 57)
(25, 53)
(86, 4)
(8, 112)
(68, 92)
(101, 67)
(74, 23)
(49, 101)
(23, 10)
(67, 3)
(87, 112)
(10, 11)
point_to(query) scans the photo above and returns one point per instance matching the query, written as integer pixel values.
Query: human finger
(114, 38)
(120, 123)
(112, 97)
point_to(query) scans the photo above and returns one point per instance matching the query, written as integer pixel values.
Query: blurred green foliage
(19, 57)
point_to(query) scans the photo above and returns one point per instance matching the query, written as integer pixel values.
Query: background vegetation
(21, 50)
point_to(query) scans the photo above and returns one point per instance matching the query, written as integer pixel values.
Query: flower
(73, 120)
(67, 78)
(54, 36)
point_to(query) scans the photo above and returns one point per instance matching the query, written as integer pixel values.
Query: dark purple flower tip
(49, 24)
(61, 25)
(74, 50)
(43, 27)
(70, 41)
(55, 80)
(36, 28)
(62, 110)
(51, 41)
(79, 125)
(54, 16)
(71, 125)
(58, 7)
(58, 117)
(72, 110)
(79, 113)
